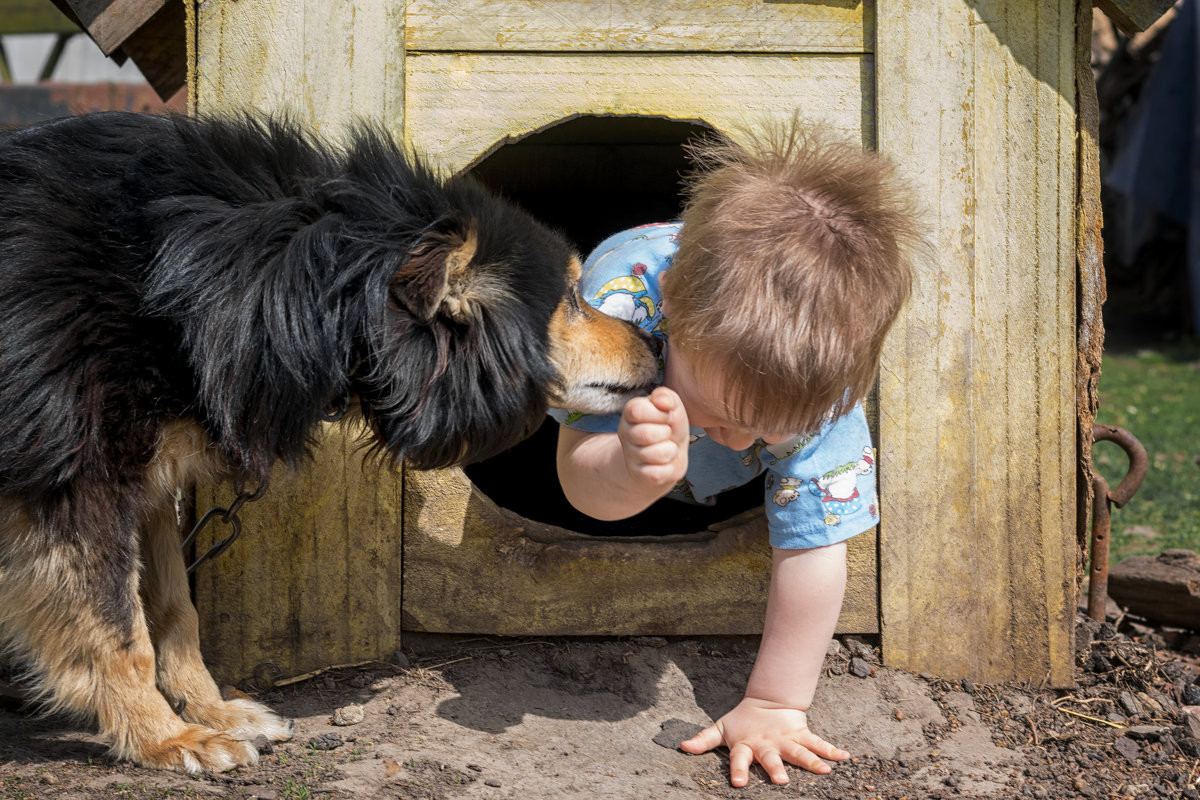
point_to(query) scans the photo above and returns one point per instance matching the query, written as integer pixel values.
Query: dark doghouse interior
(591, 177)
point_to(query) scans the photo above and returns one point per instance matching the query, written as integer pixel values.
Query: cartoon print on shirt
(789, 448)
(789, 490)
(627, 297)
(838, 488)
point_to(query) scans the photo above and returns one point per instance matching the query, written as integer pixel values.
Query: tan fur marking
(86, 665)
(592, 349)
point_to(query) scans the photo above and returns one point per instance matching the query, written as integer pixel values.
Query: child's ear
(432, 275)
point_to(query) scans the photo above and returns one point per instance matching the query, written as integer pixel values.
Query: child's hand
(766, 732)
(654, 438)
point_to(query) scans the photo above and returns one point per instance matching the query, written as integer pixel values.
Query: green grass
(1155, 395)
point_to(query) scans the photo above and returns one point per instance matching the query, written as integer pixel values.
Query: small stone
(348, 715)
(1191, 695)
(263, 745)
(474, 767)
(1191, 723)
(674, 731)
(857, 647)
(401, 659)
(899, 715)
(834, 649)
(495, 784)
(1189, 746)
(968, 685)
(1130, 705)
(1148, 733)
(859, 668)
(49, 779)
(1098, 663)
(1128, 748)
(326, 741)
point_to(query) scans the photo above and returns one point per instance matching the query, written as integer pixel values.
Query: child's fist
(654, 438)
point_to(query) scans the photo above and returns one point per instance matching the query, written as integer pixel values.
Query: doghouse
(579, 110)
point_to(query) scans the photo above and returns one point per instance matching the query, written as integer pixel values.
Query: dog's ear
(434, 276)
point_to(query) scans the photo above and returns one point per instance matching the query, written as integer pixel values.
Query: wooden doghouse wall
(975, 100)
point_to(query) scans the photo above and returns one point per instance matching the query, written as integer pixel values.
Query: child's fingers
(805, 758)
(641, 410)
(703, 741)
(740, 758)
(646, 434)
(772, 762)
(665, 399)
(810, 741)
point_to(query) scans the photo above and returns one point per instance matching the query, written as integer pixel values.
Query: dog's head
(484, 329)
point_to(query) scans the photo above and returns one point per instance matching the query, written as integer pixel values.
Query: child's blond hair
(793, 262)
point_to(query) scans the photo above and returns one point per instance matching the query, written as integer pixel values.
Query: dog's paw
(197, 749)
(243, 719)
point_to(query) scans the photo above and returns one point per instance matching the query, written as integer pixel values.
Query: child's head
(793, 262)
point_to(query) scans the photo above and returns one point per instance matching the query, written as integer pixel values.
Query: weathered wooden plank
(325, 63)
(453, 98)
(315, 578)
(111, 22)
(976, 388)
(579, 26)
(319, 586)
(1089, 257)
(473, 567)
(1163, 588)
(1132, 16)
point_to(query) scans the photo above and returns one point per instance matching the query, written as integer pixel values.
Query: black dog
(181, 297)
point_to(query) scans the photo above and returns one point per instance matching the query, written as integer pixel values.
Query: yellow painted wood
(977, 386)
(579, 26)
(473, 567)
(317, 580)
(452, 98)
(325, 63)
(315, 577)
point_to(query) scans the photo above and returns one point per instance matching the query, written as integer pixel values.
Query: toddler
(772, 299)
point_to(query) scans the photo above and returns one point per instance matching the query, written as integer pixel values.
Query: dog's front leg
(69, 604)
(181, 674)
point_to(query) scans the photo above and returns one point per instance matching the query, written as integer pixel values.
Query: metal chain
(229, 516)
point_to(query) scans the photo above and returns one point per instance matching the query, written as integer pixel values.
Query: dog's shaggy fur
(182, 297)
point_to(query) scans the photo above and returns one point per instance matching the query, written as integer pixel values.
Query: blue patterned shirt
(820, 488)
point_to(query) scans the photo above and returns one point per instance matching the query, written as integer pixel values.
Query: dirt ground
(570, 718)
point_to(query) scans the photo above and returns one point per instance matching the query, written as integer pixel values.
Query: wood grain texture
(453, 98)
(473, 567)
(578, 26)
(325, 63)
(1133, 16)
(315, 578)
(977, 386)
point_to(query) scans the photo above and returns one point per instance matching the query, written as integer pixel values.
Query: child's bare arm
(616, 475)
(769, 725)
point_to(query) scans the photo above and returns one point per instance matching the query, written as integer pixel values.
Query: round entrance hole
(591, 177)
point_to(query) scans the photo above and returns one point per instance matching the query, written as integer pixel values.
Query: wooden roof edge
(1134, 16)
(151, 32)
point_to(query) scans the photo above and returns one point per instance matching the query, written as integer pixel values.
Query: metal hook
(1102, 514)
